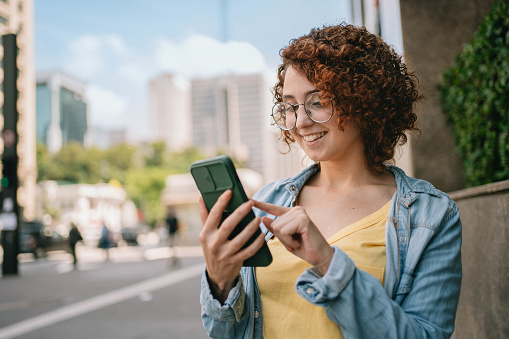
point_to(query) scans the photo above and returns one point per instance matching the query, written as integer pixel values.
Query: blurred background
(113, 101)
(118, 99)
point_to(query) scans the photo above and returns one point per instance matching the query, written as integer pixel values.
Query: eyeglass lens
(285, 115)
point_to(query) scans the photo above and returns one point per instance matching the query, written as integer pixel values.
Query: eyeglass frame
(295, 108)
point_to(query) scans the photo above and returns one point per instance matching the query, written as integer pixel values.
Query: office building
(170, 111)
(16, 17)
(61, 110)
(228, 114)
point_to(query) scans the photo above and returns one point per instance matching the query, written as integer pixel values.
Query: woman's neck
(344, 175)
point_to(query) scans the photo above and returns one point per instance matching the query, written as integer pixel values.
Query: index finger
(270, 208)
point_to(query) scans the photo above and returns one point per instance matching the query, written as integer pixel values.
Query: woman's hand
(298, 234)
(224, 257)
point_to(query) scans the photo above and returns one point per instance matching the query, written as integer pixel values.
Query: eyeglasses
(285, 114)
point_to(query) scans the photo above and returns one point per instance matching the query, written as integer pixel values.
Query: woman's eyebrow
(291, 96)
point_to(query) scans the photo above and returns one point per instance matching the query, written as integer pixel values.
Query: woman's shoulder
(411, 189)
(274, 189)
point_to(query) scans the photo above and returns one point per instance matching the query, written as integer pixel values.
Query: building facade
(228, 114)
(170, 111)
(61, 108)
(16, 17)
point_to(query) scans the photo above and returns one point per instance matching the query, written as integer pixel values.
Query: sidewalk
(87, 254)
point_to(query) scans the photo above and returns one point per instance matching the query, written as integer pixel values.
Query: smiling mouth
(313, 137)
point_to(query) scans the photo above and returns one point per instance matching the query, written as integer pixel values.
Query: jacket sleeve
(224, 321)
(424, 305)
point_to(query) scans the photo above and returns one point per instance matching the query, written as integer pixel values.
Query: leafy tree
(117, 160)
(144, 187)
(76, 164)
(180, 162)
(43, 162)
(156, 154)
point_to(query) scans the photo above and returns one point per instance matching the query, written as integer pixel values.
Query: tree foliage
(475, 96)
(145, 186)
(142, 171)
(75, 164)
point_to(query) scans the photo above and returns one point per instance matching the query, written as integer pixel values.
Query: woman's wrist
(220, 291)
(323, 265)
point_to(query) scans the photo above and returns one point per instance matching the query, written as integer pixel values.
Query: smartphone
(214, 176)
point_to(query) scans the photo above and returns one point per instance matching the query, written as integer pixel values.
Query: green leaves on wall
(475, 97)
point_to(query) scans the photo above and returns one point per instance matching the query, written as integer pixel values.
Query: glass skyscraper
(61, 110)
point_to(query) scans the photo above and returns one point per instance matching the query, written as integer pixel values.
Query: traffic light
(9, 175)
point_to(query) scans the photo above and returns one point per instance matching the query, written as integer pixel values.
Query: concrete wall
(434, 32)
(483, 310)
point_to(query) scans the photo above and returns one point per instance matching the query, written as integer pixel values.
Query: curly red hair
(366, 80)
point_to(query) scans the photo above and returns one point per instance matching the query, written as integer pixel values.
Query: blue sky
(117, 46)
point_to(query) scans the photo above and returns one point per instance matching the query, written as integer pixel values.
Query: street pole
(9, 209)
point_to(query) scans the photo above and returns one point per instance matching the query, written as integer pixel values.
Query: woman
(360, 249)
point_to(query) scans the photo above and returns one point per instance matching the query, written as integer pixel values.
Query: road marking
(98, 302)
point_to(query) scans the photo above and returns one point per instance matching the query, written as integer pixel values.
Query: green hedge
(475, 96)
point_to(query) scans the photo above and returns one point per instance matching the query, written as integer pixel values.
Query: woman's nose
(302, 118)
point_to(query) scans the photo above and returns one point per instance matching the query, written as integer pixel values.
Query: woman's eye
(316, 104)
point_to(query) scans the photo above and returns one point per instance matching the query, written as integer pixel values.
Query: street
(139, 292)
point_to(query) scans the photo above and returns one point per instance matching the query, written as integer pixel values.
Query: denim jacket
(422, 278)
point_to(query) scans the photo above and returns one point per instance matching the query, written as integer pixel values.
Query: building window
(3, 20)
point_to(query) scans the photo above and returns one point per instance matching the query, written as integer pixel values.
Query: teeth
(313, 137)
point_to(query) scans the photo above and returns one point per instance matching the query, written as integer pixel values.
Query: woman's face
(320, 141)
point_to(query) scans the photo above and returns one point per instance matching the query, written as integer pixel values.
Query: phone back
(214, 176)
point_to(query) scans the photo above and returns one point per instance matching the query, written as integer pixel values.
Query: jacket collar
(407, 187)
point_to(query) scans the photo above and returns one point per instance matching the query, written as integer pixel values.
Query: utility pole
(224, 19)
(9, 209)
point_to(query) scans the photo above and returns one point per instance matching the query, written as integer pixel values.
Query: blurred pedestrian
(74, 237)
(105, 240)
(172, 224)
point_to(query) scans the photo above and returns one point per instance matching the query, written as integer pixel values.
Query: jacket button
(310, 290)
(293, 188)
(257, 315)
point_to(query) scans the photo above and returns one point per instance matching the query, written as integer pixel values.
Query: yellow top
(285, 313)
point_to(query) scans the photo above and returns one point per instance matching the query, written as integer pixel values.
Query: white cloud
(90, 56)
(84, 60)
(133, 73)
(117, 74)
(203, 56)
(106, 108)
(116, 43)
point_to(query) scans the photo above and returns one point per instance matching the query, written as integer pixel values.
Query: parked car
(129, 236)
(38, 239)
